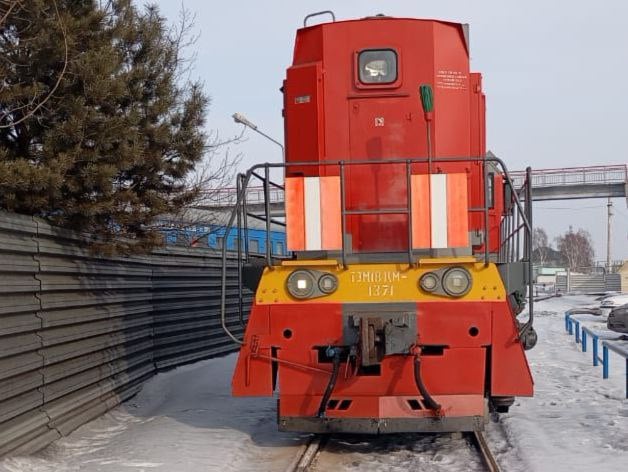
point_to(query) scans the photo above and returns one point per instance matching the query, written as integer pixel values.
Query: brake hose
(427, 398)
(335, 353)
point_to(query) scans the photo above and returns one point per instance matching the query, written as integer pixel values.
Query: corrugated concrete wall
(79, 334)
(613, 282)
(588, 283)
(561, 283)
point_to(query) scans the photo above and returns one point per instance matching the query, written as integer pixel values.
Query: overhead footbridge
(567, 183)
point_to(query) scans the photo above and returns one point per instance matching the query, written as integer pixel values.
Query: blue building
(213, 236)
(256, 240)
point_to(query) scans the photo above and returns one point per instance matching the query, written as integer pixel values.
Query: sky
(554, 74)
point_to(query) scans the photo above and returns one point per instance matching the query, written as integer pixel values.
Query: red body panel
(330, 116)
(510, 370)
(305, 138)
(459, 368)
(381, 407)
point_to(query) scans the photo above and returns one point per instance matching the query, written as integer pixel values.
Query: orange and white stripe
(440, 209)
(313, 213)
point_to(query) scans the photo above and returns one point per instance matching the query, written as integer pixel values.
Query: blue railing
(609, 342)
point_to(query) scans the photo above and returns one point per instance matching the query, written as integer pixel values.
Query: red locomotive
(411, 248)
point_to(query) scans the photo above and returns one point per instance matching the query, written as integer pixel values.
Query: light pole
(609, 210)
(240, 118)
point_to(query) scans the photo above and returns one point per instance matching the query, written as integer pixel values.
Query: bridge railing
(612, 174)
(228, 196)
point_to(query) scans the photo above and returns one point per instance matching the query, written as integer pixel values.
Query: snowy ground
(186, 420)
(182, 420)
(576, 421)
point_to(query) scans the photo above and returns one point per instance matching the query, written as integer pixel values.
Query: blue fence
(609, 342)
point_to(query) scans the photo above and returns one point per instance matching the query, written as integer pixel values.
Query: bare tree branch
(11, 6)
(540, 246)
(54, 88)
(577, 249)
(217, 171)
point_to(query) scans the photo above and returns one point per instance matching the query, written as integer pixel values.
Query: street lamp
(240, 118)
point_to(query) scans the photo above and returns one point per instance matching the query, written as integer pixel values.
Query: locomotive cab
(411, 251)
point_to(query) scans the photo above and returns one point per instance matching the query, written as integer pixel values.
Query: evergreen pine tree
(97, 129)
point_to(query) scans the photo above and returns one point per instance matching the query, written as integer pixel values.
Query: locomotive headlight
(301, 284)
(429, 282)
(328, 283)
(457, 281)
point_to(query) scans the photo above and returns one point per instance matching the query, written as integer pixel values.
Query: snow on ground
(400, 453)
(186, 420)
(576, 421)
(182, 420)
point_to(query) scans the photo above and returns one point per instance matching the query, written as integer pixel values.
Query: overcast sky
(555, 75)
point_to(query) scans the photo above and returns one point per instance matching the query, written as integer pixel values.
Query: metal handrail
(511, 226)
(524, 215)
(312, 15)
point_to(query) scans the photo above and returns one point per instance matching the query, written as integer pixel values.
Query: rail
(488, 458)
(307, 454)
(520, 231)
(609, 342)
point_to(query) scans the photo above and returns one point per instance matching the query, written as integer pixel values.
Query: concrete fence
(80, 333)
(588, 283)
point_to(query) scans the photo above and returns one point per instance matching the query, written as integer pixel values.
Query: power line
(569, 208)
(621, 211)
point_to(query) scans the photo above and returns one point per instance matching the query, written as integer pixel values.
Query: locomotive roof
(381, 17)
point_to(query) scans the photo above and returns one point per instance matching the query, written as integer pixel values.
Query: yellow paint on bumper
(364, 283)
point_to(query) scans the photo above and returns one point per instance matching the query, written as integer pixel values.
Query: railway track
(479, 440)
(307, 454)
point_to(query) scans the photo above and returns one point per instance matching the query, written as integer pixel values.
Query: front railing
(516, 226)
(515, 240)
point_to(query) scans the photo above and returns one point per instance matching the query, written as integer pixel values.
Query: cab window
(377, 66)
(491, 190)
